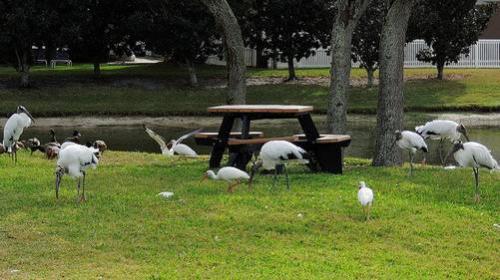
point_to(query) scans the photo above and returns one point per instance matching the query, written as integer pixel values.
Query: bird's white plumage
(184, 150)
(176, 148)
(77, 158)
(475, 155)
(412, 142)
(67, 144)
(14, 128)
(439, 129)
(166, 194)
(229, 174)
(365, 195)
(277, 152)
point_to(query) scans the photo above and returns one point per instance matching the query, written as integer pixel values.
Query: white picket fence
(484, 54)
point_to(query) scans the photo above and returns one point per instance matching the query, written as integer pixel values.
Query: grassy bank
(160, 90)
(423, 227)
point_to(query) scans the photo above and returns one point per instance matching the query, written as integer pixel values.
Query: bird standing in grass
(174, 146)
(442, 130)
(475, 155)
(411, 142)
(230, 174)
(74, 160)
(365, 197)
(275, 154)
(14, 128)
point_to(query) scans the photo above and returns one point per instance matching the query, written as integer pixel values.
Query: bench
(326, 151)
(209, 138)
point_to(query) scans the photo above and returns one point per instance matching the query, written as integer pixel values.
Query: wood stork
(475, 155)
(365, 197)
(230, 174)
(174, 146)
(14, 128)
(442, 130)
(275, 154)
(411, 142)
(74, 160)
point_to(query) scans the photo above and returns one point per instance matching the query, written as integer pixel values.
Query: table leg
(245, 127)
(309, 128)
(220, 145)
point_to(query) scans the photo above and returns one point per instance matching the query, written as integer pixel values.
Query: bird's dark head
(22, 109)
(52, 132)
(76, 133)
(462, 130)
(398, 134)
(458, 145)
(170, 144)
(255, 168)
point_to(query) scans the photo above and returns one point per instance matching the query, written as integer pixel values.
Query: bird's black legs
(275, 177)
(441, 151)
(477, 195)
(78, 190)
(411, 163)
(83, 188)
(286, 176)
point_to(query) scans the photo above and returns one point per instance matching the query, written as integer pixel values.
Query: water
(133, 138)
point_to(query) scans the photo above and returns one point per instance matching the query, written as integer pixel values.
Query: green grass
(163, 91)
(422, 227)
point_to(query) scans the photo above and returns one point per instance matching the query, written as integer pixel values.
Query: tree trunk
(261, 59)
(25, 78)
(390, 111)
(234, 47)
(97, 69)
(193, 79)
(346, 18)
(440, 68)
(370, 71)
(23, 65)
(291, 69)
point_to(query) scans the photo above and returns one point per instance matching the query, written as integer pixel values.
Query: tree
(449, 28)
(366, 38)
(181, 30)
(234, 49)
(390, 109)
(292, 29)
(21, 26)
(347, 14)
(101, 26)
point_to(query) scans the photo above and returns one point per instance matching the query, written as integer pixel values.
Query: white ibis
(411, 142)
(14, 128)
(275, 154)
(230, 174)
(74, 160)
(442, 130)
(365, 197)
(475, 155)
(174, 146)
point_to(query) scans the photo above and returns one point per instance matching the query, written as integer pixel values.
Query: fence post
(476, 55)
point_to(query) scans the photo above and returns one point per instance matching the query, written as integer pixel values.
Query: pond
(133, 138)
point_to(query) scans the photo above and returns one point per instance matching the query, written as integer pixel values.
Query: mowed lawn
(426, 226)
(163, 91)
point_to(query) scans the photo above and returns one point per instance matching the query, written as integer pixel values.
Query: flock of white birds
(75, 159)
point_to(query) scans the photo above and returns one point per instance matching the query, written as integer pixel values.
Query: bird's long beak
(255, 168)
(205, 176)
(29, 115)
(466, 136)
(58, 183)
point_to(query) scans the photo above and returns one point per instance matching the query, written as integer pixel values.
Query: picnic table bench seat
(209, 138)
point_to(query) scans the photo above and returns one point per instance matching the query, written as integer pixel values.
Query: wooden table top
(275, 109)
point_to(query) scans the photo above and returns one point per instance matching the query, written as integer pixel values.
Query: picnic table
(325, 149)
